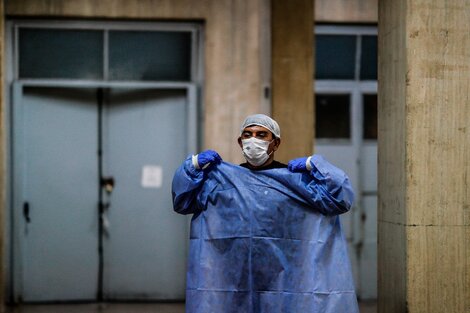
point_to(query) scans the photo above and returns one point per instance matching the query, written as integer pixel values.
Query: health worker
(265, 236)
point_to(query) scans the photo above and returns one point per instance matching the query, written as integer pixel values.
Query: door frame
(14, 88)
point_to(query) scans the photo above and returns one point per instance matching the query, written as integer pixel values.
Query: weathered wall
(392, 157)
(292, 76)
(424, 163)
(438, 155)
(346, 11)
(235, 51)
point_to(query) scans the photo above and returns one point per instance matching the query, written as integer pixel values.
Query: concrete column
(292, 75)
(2, 160)
(424, 156)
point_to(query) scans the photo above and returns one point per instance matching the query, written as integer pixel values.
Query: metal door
(56, 196)
(144, 140)
(68, 143)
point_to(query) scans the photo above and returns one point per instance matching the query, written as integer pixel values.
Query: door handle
(108, 184)
(26, 212)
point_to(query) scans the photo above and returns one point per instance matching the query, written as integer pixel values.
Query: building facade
(90, 87)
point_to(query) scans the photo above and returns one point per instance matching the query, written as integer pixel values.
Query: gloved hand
(206, 158)
(300, 165)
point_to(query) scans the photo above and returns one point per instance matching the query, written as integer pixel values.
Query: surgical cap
(262, 120)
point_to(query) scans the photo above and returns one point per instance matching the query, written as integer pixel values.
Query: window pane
(141, 55)
(369, 57)
(332, 116)
(335, 57)
(370, 117)
(54, 53)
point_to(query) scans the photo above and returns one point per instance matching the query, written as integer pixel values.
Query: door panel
(145, 251)
(368, 260)
(369, 167)
(59, 245)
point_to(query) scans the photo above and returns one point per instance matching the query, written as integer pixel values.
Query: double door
(92, 212)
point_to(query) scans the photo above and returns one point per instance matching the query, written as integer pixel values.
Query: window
(157, 55)
(369, 117)
(332, 116)
(345, 84)
(104, 54)
(60, 53)
(368, 58)
(337, 56)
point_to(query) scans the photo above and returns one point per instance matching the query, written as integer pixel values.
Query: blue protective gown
(266, 241)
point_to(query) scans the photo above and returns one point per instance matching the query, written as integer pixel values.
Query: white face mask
(255, 150)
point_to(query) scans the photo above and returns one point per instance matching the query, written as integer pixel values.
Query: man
(259, 132)
(265, 238)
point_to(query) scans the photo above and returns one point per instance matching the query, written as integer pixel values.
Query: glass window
(369, 58)
(332, 116)
(54, 53)
(370, 117)
(145, 55)
(335, 56)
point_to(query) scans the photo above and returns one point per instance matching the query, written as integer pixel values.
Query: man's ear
(277, 143)
(240, 142)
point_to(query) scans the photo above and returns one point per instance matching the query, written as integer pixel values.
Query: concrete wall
(346, 11)
(392, 157)
(424, 163)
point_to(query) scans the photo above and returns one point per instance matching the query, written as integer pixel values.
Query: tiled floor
(365, 307)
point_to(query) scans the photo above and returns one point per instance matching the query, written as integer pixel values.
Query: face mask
(255, 150)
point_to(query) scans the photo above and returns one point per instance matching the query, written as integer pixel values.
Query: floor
(365, 307)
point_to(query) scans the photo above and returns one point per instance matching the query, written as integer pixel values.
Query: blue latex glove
(299, 165)
(206, 158)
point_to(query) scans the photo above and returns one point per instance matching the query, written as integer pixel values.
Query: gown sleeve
(326, 187)
(187, 182)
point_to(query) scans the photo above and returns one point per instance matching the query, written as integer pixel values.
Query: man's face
(262, 133)
(258, 132)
